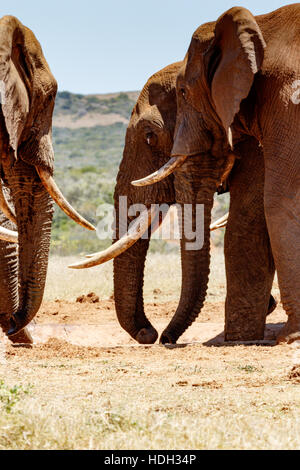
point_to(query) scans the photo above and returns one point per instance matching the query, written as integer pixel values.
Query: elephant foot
(244, 331)
(237, 330)
(272, 305)
(147, 336)
(290, 332)
(23, 337)
(243, 337)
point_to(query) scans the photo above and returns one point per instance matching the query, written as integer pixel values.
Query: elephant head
(28, 91)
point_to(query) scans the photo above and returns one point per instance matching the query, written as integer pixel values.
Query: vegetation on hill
(78, 105)
(86, 165)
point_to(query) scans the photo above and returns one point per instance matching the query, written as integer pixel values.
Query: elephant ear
(13, 76)
(234, 57)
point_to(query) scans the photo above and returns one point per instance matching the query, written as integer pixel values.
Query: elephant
(149, 141)
(240, 84)
(27, 186)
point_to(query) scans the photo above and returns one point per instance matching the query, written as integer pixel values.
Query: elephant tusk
(8, 235)
(139, 227)
(154, 226)
(91, 255)
(4, 206)
(162, 173)
(60, 200)
(222, 222)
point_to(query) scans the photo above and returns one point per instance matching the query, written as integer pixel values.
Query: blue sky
(97, 46)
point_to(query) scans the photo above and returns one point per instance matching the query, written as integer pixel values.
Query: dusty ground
(86, 384)
(94, 323)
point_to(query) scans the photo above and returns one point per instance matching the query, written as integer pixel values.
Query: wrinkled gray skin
(149, 141)
(25, 144)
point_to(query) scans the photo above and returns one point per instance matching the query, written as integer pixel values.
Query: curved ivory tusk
(4, 206)
(60, 200)
(162, 173)
(156, 223)
(8, 235)
(222, 222)
(91, 255)
(136, 232)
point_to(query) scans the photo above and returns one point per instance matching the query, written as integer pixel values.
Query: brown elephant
(149, 140)
(28, 91)
(240, 85)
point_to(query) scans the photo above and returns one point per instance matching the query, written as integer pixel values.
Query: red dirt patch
(54, 348)
(91, 298)
(294, 375)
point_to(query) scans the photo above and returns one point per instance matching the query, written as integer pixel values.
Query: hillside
(88, 138)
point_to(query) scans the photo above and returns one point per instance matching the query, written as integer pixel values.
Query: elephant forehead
(151, 116)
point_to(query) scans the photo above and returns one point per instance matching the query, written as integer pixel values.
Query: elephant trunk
(128, 284)
(9, 277)
(9, 284)
(195, 272)
(34, 212)
(128, 288)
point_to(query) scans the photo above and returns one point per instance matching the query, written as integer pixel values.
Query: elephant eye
(183, 92)
(151, 138)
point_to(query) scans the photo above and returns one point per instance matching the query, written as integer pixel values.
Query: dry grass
(163, 272)
(192, 397)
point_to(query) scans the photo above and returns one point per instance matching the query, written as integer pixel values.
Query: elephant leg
(282, 208)
(248, 256)
(272, 305)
